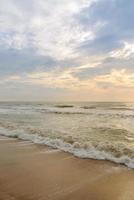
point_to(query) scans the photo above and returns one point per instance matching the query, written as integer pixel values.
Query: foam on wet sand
(38, 172)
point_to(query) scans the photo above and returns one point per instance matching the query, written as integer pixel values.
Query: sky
(64, 50)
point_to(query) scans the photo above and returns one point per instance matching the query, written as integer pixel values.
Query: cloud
(112, 22)
(48, 25)
(127, 52)
(117, 78)
(19, 62)
(66, 46)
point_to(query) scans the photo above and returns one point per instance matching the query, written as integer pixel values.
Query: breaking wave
(117, 152)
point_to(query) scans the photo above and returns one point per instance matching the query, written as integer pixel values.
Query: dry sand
(33, 172)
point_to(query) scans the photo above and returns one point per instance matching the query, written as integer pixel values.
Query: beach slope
(34, 172)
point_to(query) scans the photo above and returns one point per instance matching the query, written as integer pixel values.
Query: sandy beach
(29, 171)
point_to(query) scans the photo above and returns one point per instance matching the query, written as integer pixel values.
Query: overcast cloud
(67, 50)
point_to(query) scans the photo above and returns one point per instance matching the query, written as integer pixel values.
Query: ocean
(97, 130)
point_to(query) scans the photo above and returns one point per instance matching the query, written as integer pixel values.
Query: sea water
(97, 130)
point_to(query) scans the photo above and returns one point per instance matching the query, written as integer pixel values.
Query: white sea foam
(75, 149)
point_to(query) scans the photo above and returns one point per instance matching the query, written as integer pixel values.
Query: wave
(88, 107)
(122, 108)
(69, 109)
(66, 112)
(117, 153)
(129, 138)
(83, 111)
(64, 106)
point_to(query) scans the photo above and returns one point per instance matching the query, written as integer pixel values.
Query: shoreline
(81, 153)
(30, 172)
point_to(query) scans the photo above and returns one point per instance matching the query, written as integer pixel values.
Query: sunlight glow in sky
(67, 50)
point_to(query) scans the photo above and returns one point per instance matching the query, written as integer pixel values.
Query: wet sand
(33, 172)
